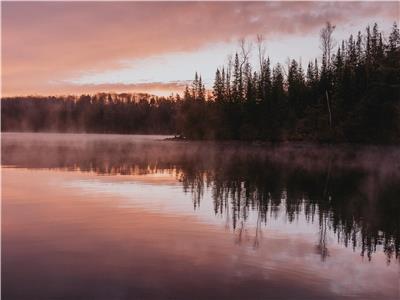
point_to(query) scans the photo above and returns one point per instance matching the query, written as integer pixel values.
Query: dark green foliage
(353, 96)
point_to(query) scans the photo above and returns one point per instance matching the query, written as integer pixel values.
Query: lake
(88, 216)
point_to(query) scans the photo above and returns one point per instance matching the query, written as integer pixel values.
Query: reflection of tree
(322, 248)
(258, 230)
(354, 199)
(333, 197)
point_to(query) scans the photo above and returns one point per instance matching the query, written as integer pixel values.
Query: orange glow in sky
(88, 47)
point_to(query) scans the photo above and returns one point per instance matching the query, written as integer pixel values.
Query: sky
(59, 48)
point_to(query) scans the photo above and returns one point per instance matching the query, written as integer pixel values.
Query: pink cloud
(47, 41)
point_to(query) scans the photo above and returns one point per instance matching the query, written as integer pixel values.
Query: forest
(350, 95)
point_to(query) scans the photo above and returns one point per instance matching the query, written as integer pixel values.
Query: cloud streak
(46, 41)
(154, 88)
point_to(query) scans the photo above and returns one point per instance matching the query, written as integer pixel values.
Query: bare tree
(229, 65)
(327, 42)
(261, 49)
(327, 45)
(245, 51)
(285, 67)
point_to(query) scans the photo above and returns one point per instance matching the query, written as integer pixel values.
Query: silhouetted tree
(351, 96)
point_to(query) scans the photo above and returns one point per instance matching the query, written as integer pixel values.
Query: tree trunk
(329, 109)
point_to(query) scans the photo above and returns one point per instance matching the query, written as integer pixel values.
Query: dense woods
(100, 113)
(350, 95)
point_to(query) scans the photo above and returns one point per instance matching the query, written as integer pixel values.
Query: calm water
(135, 217)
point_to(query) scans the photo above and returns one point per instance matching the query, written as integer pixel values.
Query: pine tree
(394, 39)
(237, 86)
(201, 91)
(316, 70)
(359, 51)
(310, 78)
(218, 91)
(195, 86)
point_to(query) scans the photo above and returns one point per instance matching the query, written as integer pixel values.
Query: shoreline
(175, 138)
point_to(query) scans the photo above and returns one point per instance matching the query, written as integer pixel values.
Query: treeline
(352, 95)
(100, 113)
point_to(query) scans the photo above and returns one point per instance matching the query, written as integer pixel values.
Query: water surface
(137, 217)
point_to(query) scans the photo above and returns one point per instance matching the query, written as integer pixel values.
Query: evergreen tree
(352, 96)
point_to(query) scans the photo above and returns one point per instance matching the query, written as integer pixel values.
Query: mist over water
(247, 221)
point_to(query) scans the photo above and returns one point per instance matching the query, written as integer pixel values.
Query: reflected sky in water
(136, 217)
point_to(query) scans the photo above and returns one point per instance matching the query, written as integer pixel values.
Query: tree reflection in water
(354, 193)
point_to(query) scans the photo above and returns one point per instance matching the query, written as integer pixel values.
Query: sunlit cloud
(75, 42)
(62, 88)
